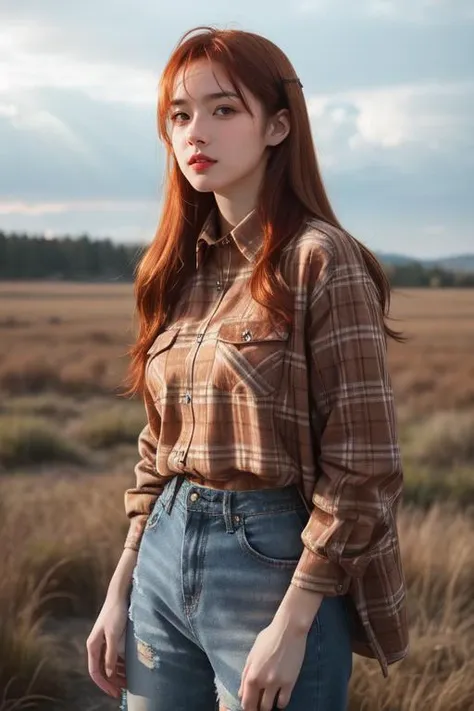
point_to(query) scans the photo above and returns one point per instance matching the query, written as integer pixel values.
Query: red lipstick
(199, 161)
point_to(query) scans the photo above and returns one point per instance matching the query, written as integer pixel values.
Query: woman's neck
(232, 210)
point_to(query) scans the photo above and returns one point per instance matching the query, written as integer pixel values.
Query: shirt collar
(247, 235)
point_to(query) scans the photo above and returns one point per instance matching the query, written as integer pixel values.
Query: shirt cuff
(318, 574)
(135, 531)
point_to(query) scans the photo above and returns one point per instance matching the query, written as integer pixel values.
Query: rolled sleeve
(140, 499)
(359, 473)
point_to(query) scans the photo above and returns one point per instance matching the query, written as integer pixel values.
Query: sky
(389, 86)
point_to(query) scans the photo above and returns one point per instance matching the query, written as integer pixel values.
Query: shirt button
(194, 496)
(218, 286)
(339, 587)
(236, 518)
(199, 337)
(247, 335)
(187, 398)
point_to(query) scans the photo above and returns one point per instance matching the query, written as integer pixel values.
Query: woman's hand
(276, 658)
(272, 667)
(106, 649)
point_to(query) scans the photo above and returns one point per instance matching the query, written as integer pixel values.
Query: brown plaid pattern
(237, 401)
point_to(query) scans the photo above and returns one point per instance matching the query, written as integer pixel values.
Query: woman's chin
(201, 187)
(206, 185)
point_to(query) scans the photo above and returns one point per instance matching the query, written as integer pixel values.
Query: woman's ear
(278, 128)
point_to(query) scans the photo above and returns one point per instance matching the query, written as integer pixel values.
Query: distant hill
(396, 260)
(457, 263)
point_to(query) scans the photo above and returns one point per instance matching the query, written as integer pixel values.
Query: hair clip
(292, 81)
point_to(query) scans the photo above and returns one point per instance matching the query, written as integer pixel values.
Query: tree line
(85, 259)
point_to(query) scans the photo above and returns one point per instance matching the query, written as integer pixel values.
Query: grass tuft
(31, 440)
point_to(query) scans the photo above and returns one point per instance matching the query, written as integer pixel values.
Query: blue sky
(389, 86)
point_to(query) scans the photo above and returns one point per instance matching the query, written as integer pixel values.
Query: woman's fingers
(120, 671)
(96, 651)
(110, 655)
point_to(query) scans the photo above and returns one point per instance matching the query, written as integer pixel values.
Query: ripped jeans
(212, 569)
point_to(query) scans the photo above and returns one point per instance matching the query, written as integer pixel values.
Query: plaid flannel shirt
(236, 400)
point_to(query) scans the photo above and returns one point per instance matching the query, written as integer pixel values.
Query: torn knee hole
(146, 654)
(224, 698)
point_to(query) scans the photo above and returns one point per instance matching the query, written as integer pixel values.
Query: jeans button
(194, 496)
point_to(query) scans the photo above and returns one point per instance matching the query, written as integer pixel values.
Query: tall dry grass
(61, 539)
(72, 531)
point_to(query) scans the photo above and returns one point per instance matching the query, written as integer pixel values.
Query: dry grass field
(67, 449)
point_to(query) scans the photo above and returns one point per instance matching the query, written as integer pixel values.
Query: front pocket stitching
(242, 369)
(157, 514)
(272, 562)
(283, 509)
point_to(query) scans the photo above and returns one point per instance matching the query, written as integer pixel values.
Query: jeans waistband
(194, 497)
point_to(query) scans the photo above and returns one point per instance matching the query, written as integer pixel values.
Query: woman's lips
(203, 165)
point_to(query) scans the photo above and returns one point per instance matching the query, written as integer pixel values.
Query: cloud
(19, 207)
(397, 126)
(114, 153)
(420, 10)
(23, 69)
(389, 87)
(122, 220)
(36, 120)
(405, 11)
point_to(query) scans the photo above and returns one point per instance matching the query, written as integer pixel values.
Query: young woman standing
(263, 540)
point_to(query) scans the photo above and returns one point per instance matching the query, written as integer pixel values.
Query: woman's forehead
(200, 79)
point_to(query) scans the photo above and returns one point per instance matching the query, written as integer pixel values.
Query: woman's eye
(181, 116)
(227, 110)
(177, 116)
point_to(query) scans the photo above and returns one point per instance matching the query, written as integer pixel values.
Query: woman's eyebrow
(208, 97)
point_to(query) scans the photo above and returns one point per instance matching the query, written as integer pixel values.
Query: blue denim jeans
(212, 569)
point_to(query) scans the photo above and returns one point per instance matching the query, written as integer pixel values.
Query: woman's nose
(196, 133)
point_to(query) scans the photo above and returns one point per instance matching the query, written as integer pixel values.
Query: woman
(263, 540)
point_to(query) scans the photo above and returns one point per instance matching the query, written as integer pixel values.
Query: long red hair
(292, 189)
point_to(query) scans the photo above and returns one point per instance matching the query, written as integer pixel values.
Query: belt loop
(227, 511)
(176, 487)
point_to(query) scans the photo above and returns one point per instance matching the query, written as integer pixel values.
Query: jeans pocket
(156, 515)
(273, 538)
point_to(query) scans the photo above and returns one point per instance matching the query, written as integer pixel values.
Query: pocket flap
(163, 341)
(250, 331)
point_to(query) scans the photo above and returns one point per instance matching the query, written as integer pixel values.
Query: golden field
(67, 449)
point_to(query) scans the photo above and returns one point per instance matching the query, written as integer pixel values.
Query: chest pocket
(160, 370)
(249, 357)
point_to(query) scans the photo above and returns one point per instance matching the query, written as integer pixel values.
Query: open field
(67, 449)
(77, 335)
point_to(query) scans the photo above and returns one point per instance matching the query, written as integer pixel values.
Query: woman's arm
(120, 581)
(359, 476)
(140, 499)
(297, 610)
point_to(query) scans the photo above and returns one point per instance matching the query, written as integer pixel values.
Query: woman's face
(218, 126)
